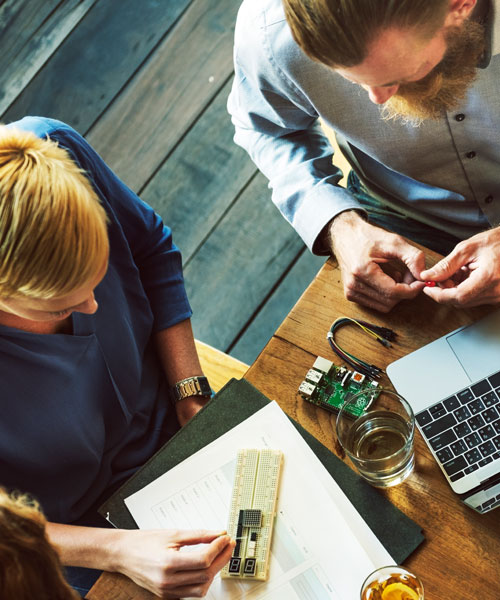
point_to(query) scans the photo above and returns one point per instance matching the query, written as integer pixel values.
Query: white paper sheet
(321, 550)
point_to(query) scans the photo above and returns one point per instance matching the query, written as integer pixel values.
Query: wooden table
(460, 559)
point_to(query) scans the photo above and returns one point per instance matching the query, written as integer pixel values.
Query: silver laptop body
(453, 386)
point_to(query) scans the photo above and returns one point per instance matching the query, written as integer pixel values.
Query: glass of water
(376, 430)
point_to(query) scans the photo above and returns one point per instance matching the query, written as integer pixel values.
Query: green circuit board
(329, 386)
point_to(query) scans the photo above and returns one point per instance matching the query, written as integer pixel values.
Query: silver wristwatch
(191, 386)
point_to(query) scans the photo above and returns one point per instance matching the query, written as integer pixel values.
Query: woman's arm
(151, 558)
(179, 359)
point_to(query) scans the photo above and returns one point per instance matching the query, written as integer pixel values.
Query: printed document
(321, 549)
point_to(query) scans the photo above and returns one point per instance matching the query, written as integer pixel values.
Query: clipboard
(234, 403)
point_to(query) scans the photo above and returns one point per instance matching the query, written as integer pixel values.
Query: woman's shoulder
(40, 126)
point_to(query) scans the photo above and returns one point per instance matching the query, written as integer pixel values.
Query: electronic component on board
(252, 512)
(335, 385)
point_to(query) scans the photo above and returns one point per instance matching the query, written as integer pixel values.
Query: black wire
(386, 336)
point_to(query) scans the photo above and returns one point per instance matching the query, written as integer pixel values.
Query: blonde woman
(95, 339)
(29, 566)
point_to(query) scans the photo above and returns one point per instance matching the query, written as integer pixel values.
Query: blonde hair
(29, 565)
(53, 232)
(338, 33)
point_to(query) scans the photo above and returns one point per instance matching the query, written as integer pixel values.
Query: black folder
(237, 401)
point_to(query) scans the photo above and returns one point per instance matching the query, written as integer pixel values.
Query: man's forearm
(344, 221)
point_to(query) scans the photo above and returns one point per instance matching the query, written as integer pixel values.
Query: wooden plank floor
(147, 82)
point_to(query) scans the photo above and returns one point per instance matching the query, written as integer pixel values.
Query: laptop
(453, 387)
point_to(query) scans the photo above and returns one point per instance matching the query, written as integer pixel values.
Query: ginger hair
(29, 565)
(338, 33)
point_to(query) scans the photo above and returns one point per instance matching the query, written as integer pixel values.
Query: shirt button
(459, 117)
(488, 199)
(470, 154)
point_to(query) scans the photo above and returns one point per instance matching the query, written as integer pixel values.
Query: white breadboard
(252, 512)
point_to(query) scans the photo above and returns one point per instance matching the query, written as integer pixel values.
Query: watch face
(205, 388)
(191, 386)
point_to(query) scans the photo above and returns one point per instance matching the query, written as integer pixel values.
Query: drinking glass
(392, 583)
(379, 438)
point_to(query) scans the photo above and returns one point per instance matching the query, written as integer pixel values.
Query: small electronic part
(346, 378)
(306, 389)
(357, 378)
(252, 513)
(314, 376)
(323, 365)
(337, 385)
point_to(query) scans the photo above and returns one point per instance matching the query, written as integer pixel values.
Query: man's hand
(470, 275)
(154, 559)
(379, 268)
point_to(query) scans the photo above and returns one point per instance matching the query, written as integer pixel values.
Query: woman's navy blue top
(81, 412)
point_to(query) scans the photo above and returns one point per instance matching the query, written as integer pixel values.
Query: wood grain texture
(325, 302)
(96, 61)
(236, 268)
(201, 178)
(459, 559)
(169, 93)
(112, 586)
(30, 33)
(218, 366)
(276, 308)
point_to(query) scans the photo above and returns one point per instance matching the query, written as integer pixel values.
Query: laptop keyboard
(464, 429)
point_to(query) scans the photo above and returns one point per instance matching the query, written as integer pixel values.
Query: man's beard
(446, 85)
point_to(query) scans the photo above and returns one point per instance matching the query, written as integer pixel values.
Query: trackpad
(477, 347)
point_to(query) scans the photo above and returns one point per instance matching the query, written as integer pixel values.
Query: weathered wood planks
(286, 293)
(96, 61)
(30, 33)
(233, 271)
(201, 178)
(148, 82)
(168, 94)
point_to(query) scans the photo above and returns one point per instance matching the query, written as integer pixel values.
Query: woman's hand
(154, 559)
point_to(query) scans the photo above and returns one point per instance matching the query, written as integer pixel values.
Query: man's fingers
(467, 294)
(414, 259)
(380, 292)
(375, 302)
(459, 258)
(385, 286)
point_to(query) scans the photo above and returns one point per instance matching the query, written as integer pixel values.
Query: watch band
(191, 386)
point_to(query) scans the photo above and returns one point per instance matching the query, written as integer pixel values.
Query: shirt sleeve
(150, 241)
(277, 125)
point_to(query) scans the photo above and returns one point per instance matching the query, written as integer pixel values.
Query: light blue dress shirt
(445, 173)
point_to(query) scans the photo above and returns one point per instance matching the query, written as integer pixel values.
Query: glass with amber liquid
(392, 583)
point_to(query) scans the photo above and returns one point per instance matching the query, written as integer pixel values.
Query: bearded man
(412, 90)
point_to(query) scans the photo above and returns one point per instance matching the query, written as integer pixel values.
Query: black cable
(383, 335)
